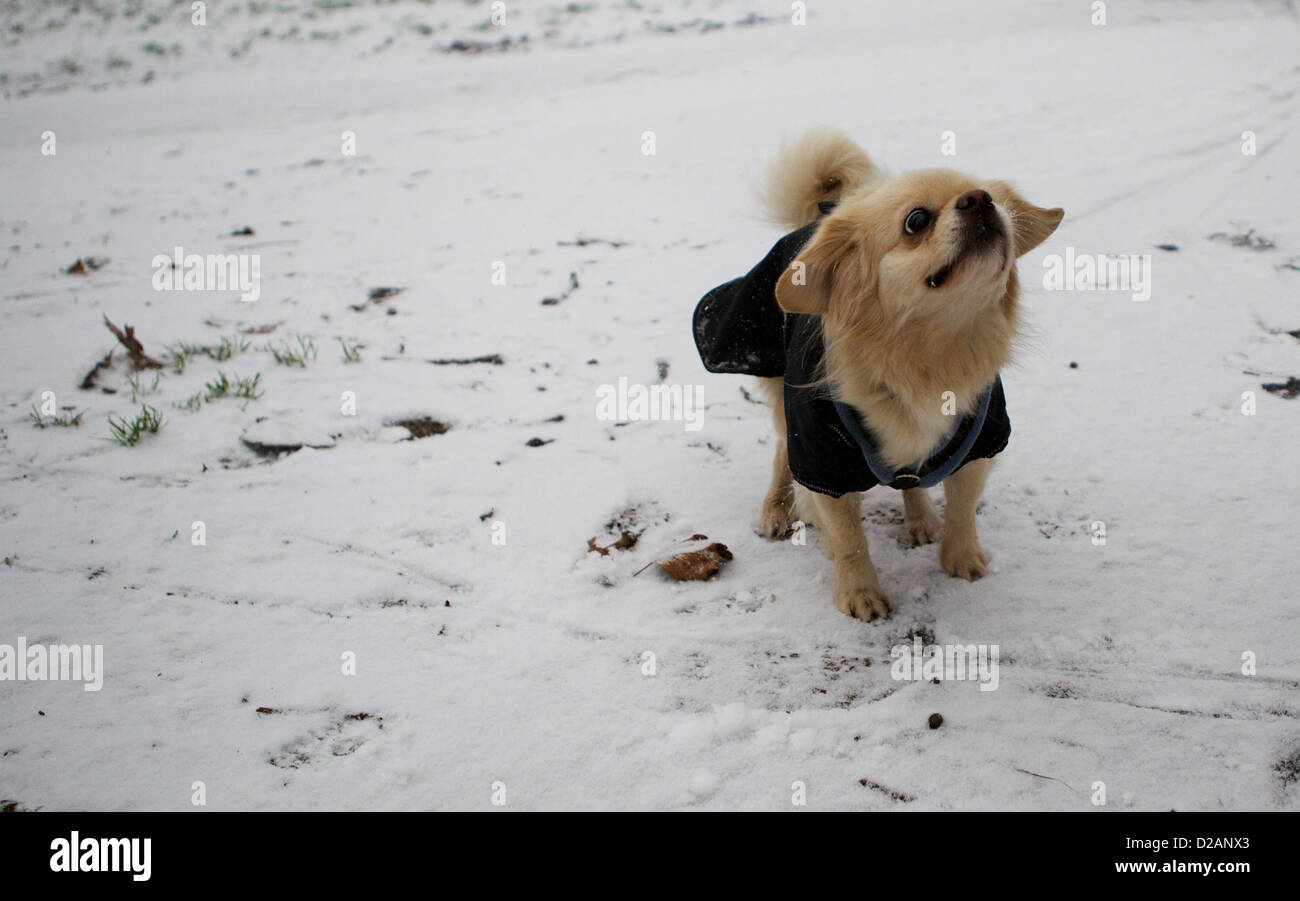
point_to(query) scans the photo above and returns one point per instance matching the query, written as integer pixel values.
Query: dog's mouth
(936, 279)
(981, 236)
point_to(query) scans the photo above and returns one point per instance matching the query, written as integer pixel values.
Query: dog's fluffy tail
(822, 165)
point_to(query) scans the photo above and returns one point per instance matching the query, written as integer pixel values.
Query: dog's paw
(776, 518)
(863, 603)
(965, 561)
(923, 529)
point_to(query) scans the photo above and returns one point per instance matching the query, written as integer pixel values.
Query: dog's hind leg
(920, 519)
(777, 515)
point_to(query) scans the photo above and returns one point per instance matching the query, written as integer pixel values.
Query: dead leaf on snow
(126, 337)
(625, 542)
(86, 265)
(698, 561)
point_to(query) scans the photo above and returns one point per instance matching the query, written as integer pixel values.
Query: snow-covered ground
(491, 648)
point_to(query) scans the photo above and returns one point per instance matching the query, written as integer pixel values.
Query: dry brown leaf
(262, 329)
(86, 265)
(134, 349)
(625, 542)
(422, 426)
(88, 383)
(697, 564)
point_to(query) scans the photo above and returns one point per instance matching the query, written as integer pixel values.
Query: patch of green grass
(181, 353)
(227, 348)
(66, 421)
(287, 354)
(218, 387)
(247, 388)
(558, 13)
(223, 386)
(139, 390)
(193, 403)
(158, 49)
(352, 353)
(128, 432)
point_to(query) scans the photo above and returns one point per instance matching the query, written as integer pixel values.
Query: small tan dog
(897, 309)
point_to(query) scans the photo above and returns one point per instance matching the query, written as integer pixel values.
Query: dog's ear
(806, 284)
(1032, 225)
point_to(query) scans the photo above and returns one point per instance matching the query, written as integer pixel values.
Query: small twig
(573, 286)
(580, 241)
(88, 383)
(139, 359)
(896, 795)
(494, 359)
(1041, 776)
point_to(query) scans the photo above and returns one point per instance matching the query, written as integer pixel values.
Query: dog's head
(934, 244)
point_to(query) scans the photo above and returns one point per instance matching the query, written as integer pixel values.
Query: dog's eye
(916, 220)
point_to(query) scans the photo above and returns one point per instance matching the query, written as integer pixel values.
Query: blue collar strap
(949, 455)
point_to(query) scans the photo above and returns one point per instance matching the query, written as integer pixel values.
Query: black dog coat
(739, 328)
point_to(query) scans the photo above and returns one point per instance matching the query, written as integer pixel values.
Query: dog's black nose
(975, 201)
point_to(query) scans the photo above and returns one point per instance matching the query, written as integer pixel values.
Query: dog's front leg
(857, 590)
(920, 519)
(959, 551)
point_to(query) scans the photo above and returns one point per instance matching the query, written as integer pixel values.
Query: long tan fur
(822, 165)
(915, 324)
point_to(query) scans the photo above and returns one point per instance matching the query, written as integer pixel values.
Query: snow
(525, 663)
